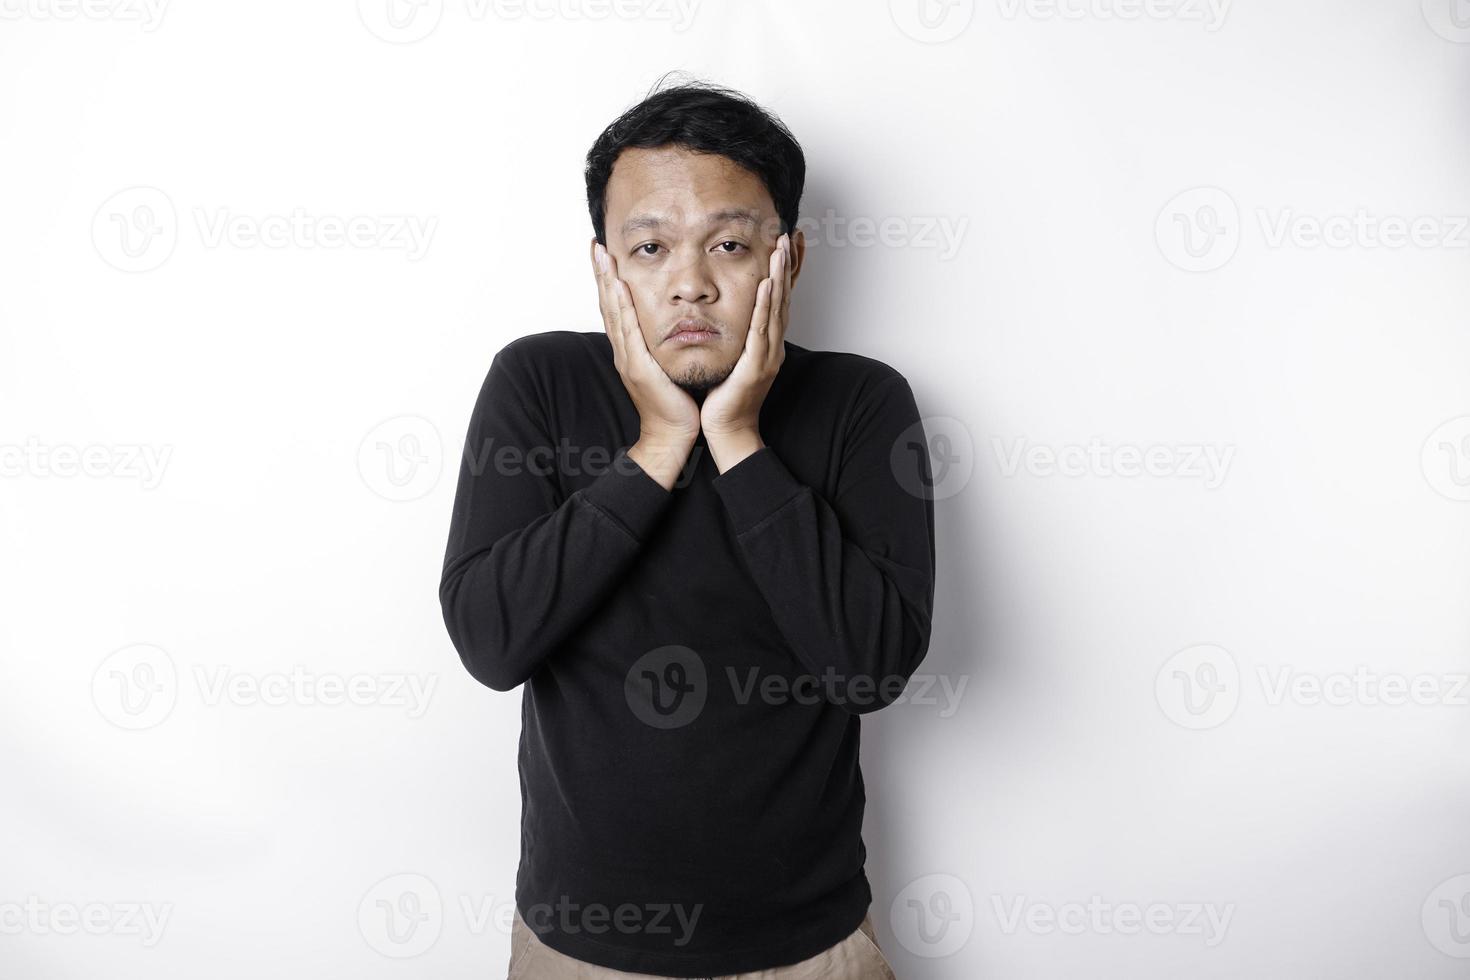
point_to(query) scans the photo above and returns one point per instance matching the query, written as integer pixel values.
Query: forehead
(681, 187)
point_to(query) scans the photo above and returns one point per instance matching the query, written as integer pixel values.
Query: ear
(798, 254)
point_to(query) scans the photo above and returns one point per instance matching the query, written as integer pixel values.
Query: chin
(697, 376)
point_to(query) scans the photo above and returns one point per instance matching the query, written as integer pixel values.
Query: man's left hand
(730, 416)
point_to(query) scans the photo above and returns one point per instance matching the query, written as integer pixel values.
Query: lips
(692, 328)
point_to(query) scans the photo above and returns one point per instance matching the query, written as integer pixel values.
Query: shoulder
(538, 361)
(553, 348)
(856, 376)
(529, 373)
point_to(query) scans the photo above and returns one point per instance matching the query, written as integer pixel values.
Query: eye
(640, 248)
(738, 246)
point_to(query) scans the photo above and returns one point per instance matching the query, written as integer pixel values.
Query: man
(691, 540)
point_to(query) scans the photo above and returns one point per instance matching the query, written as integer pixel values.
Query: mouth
(692, 330)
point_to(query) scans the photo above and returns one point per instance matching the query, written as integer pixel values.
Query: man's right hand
(668, 418)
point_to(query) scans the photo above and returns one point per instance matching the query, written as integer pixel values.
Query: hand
(731, 412)
(668, 418)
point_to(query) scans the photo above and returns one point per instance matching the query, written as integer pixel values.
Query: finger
(755, 337)
(779, 282)
(627, 316)
(607, 304)
(781, 316)
(774, 303)
(635, 348)
(790, 272)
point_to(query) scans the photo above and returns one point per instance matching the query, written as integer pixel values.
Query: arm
(849, 581)
(523, 568)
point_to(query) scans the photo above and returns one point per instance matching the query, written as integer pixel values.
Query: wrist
(729, 448)
(662, 456)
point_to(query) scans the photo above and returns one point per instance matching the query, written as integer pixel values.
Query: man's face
(692, 235)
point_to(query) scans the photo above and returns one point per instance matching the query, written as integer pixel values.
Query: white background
(1122, 738)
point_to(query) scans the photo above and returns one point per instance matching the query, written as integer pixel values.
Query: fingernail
(601, 254)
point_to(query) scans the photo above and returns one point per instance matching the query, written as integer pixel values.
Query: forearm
(510, 605)
(858, 618)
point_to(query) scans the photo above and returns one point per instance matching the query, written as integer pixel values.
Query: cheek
(739, 292)
(645, 295)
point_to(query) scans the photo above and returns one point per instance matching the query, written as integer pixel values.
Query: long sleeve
(850, 581)
(523, 567)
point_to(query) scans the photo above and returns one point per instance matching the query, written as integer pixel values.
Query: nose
(690, 281)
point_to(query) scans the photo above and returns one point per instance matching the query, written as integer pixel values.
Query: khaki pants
(855, 958)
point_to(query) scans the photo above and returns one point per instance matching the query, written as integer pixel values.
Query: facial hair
(698, 380)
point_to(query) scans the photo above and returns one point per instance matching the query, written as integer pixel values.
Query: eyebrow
(724, 216)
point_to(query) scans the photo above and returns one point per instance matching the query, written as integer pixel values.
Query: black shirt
(694, 660)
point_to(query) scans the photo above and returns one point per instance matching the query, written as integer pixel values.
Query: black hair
(705, 118)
